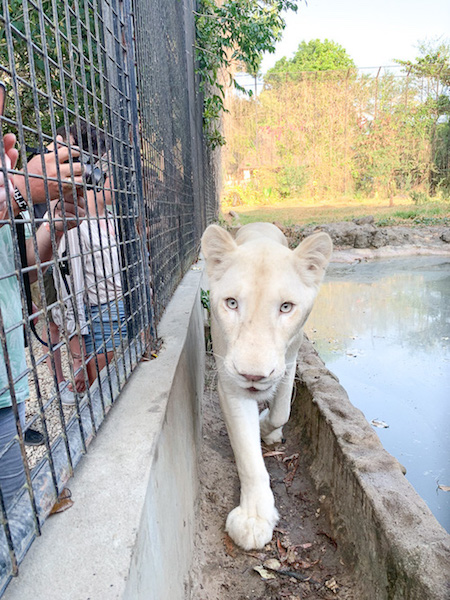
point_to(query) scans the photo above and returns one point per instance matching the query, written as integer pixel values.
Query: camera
(93, 175)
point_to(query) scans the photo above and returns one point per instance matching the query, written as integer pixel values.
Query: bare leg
(54, 339)
(102, 359)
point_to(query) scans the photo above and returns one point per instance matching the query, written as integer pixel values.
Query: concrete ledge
(129, 533)
(386, 530)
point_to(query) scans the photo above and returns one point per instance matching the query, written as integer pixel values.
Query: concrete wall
(387, 531)
(129, 533)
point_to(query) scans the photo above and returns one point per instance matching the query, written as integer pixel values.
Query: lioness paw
(250, 532)
(268, 434)
(275, 437)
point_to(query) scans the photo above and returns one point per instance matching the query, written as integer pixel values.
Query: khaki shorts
(50, 292)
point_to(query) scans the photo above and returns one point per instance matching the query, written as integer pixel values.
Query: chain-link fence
(100, 217)
(325, 135)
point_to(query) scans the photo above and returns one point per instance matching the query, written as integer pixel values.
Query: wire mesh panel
(104, 194)
(171, 141)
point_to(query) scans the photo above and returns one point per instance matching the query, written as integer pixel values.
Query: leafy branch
(231, 36)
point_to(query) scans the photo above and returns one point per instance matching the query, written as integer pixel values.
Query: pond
(383, 327)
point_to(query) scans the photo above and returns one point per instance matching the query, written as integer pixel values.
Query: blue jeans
(12, 472)
(94, 341)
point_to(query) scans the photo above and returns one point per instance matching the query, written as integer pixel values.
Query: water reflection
(384, 329)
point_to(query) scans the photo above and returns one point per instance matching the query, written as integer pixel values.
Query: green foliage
(425, 213)
(237, 32)
(262, 189)
(292, 180)
(205, 299)
(433, 61)
(267, 186)
(50, 29)
(419, 197)
(314, 55)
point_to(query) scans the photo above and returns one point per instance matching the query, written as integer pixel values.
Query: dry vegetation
(336, 145)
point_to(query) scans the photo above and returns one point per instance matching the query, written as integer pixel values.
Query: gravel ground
(54, 417)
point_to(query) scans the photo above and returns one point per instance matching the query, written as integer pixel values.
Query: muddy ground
(303, 561)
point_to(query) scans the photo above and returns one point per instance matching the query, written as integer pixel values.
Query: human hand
(68, 211)
(11, 154)
(80, 384)
(56, 158)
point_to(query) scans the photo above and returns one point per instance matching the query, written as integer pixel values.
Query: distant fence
(325, 134)
(116, 78)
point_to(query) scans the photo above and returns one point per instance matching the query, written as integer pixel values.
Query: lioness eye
(231, 303)
(286, 307)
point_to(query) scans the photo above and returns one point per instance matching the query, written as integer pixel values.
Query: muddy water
(383, 328)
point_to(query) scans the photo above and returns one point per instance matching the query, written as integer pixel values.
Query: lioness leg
(251, 523)
(272, 419)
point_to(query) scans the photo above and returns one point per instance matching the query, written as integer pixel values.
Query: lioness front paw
(269, 435)
(250, 532)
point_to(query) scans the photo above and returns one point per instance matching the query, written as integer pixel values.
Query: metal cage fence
(99, 219)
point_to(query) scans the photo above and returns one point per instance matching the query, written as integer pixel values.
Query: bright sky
(373, 32)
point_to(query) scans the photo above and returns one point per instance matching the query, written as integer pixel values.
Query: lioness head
(261, 295)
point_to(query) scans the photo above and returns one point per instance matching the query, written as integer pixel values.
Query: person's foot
(67, 396)
(33, 438)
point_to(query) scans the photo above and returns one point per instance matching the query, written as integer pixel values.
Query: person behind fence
(14, 388)
(81, 137)
(39, 178)
(94, 266)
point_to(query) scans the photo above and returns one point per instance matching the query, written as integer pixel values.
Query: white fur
(256, 342)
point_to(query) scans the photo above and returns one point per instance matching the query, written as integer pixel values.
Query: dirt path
(301, 546)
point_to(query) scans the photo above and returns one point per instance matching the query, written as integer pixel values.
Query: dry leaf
(332, 585)
(291, 557)
(444, 488)
(281, 550)
(379, 423)
(291, 458)
(273, 564)
(264, 573)
(230, 548)
(273, 453)
(63, 502)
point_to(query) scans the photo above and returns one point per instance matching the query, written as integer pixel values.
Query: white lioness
(261, 295)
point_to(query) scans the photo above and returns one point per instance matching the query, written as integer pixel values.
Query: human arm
(77, 351)
(69, 210)
(10, 158)
(49, 173)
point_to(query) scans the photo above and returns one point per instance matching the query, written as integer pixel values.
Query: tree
(35, 40)
(234, 32)
(433, 65)
(433, 61)
(315, 55)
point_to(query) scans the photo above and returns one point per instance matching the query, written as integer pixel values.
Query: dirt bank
(361, 238)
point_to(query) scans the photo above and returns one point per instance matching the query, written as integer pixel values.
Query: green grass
(431, 213)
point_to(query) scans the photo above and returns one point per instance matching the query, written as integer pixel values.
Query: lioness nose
(253, 377)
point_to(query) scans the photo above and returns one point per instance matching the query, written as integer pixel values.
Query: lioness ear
(315, 253)
(217, 244)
